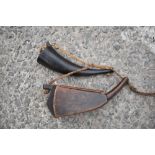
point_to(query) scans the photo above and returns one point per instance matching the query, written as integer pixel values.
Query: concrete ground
(131, 50)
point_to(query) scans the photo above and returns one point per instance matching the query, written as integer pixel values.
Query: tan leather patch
(68, 100)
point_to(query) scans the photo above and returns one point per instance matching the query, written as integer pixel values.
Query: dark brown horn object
(67, 100)
(51, 59)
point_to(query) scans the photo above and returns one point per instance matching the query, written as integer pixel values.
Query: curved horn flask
(53, 60)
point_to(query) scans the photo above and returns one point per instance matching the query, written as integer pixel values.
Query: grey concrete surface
(131, 50)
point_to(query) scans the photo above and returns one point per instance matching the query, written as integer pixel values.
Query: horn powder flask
(68, 100)
(51, 59)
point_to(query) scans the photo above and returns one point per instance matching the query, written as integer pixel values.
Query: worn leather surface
(50, 99)
(69, 101)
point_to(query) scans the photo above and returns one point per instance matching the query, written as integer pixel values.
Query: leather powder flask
(69, 100)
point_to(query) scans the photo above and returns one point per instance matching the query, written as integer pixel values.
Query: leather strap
(131, 87)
